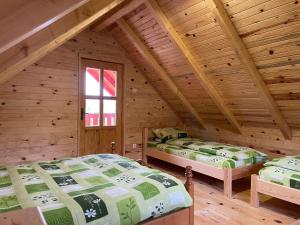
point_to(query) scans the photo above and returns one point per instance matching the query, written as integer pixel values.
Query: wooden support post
(254, 200)
(144, 143)
(228, 182)
(189, 185)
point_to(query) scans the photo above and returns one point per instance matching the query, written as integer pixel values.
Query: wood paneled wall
(39, 106)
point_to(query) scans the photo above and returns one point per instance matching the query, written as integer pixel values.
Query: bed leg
(189, 185)
(254, 199)
(144, 144)
(228, 183)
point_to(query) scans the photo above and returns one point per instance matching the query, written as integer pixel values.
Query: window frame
(101, 96)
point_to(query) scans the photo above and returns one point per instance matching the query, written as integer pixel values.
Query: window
(100, 97)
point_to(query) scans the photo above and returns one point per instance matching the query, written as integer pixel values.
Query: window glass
(109, 113)
(109, 83)
(92, 112)
(92, 81)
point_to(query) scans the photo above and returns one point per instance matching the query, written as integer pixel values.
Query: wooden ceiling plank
(31, 17)
(220, 13)
(143, 49)
(197, 69)
(43, 42)
(119, 14)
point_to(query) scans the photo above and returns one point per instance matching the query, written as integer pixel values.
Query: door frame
(80, 122)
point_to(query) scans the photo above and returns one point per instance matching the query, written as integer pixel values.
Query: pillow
(153, 142)
(166, 146)
(287, 162)
(183, 141)
(169, 133)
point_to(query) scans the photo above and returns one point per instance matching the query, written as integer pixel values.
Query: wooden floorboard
(211, 207)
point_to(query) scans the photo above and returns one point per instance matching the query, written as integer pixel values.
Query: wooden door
(101, 105)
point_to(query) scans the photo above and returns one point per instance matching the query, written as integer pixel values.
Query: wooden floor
(211, 207)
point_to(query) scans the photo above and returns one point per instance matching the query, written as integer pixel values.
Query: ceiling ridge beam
(119, 14)
(48, 39)
(143, 49)
(197, 69)
(222, 17)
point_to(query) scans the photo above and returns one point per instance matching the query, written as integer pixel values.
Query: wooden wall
(39, 106)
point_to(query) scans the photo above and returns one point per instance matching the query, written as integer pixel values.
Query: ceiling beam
(192, 61)
(143, 49)
(228, 27)
(30, 17)
(119, 14)
(40, 44)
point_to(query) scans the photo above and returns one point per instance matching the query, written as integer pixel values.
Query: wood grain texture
(39, 107)
(163, 74)
(190, 58)
(35, 47)
(227, 26)
(22, 23)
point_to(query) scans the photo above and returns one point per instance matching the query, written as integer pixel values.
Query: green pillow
(169, 133)
(168, 147)
(183, 141)
(287, 162)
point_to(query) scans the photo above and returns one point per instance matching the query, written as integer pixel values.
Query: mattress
(99, 189)
(281, 176)
(207, 158)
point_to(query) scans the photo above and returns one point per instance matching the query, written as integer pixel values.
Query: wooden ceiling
(235, 61)
(227, 63)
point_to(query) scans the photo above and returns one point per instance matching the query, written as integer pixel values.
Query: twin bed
(279, 178)
(101, 189)
(221, 161)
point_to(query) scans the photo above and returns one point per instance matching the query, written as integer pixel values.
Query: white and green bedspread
(282, 176)
(207, 158)
(284, 171)
(102, 189)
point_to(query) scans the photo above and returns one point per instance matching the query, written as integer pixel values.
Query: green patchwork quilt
(225, 150)
(207, 158)
(100, 189)
(282, 176)
(288, 162)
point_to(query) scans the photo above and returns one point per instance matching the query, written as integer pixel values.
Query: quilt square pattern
(94, 189)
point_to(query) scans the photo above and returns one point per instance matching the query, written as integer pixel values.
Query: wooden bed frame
(180, 217)
(227, 175)
(272, 189)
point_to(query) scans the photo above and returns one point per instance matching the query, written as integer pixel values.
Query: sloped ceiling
(270, 29)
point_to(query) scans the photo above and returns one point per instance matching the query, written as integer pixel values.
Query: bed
(280, 178)
(226, 170)
(104, 189)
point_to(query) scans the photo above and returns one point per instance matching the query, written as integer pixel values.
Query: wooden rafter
(119, 14)
(228, 27)
(197, 69)
(143, 49)
(41, 43)
(26, 19)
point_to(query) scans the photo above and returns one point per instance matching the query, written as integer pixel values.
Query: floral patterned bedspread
(102, 189)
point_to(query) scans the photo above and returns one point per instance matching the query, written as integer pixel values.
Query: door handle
(82, 114)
